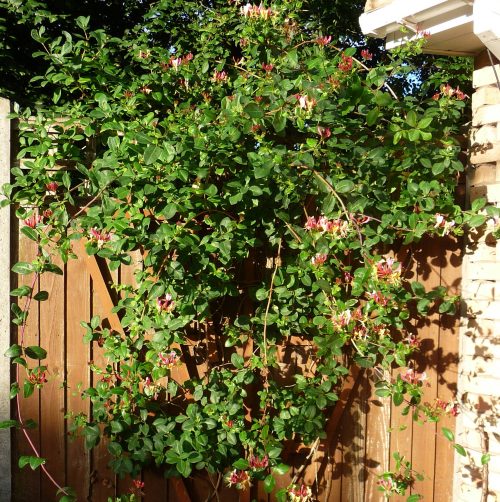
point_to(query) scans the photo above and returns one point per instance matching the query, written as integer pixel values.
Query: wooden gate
(362, 429)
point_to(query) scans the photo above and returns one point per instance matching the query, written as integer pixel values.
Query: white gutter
(399, 13)
(438, 18)
(487, 24)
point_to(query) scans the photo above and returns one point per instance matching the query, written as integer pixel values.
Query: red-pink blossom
(219, 76)
(322, 41)
(165, 304)
(99, 236)
(324, 132)
(258, 463)
(33, 220)
(267, 67)
(318, 259)
(240, 479)
(345, 63)
(52, 187)
(366, 55)
(168, 360)
(412, 377)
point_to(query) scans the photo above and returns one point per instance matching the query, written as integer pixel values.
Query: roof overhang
(455, 27)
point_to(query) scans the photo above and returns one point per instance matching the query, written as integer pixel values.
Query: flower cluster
(33, 220)
(413, 377)
(305, 102)
(345, 63)
(267, 67)
(337, 226)
(443, 224)
(366, 55)
(52, 187)
(258, 463)
(300, 493)
(219, 76)
(165, 304)
(99, 236)
(239, 479)
(323, 132)
(168, 360)
(175, 62)
(256, 11)
(387, 270)
(319, 259)
(322, 41)
(448, 407)
(449, 92)
(37, 376)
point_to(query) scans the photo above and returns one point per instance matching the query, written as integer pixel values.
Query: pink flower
(267, 67)
(219, 76)
(311, 223)
(175, 62)
(145, 89)
(324, 132)
(342, 319)
(366, 55)
(322, 41)
(385, 269)
(305, 102)
(412, 377)
(346, 63)
(165, 304)
(52, 187)
(318, 259)
(240, 479)
(378, 298)
(257, 463)
(255, 11)
(442, 223)
(168, 360)
(300, 494)
(99, 236)
(412, 341)
(33, 220)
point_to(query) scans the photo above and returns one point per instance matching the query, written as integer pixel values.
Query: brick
(491, 192)
(480, 347)
(483, 173)
(478, 367)
(485, 134)
(489, 95)
(470, 438)
(487, 386)
(481, 290)
(483, 250)
(488, 152)
(485, 76)
(486, 115)
(479, 328)
(483, 309)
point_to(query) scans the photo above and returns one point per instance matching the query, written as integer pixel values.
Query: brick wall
(478, 425)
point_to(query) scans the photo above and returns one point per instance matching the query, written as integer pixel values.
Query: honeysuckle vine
(274, 187)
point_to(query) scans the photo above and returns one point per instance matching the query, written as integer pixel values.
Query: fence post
(5, 231)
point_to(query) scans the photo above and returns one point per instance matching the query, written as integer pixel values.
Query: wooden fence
(361, 431)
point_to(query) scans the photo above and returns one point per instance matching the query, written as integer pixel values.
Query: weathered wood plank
(53, 402)
(26, 483)
(78, 371)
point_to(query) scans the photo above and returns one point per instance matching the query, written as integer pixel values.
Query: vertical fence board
(78, 372)
(430, 263)
(26, 482)
(447, 368)
(52, 404)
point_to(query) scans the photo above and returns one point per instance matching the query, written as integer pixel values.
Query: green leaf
(344, 186)
(448, 434)
(6, 424)
(152, 154)
(485, 458)
(254, 111)
(237, 360)
(476, 220)
(269, 483)
(397, 398)
(372, 116)
(13, 351)
(281, 469)
(424, 123)
(23, 268)
(32, 461)
(30, 233)
(28, 388)
(21, 291)
(241, 464)
(414, 498)
(411, 119)
(35, 352)
(41, 296)
(460, 450)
